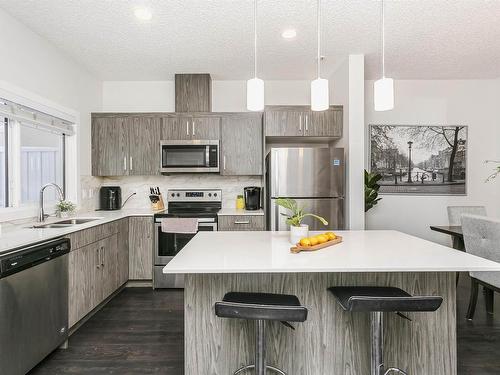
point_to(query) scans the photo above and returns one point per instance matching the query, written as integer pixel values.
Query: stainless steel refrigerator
(314, 177)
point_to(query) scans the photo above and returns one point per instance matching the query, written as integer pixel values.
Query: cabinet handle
(242, 222)
(98, 253)
(193, 126)
(224, 162)
(300, 123)
(307, 118)
(131, 163)
(102, 256)
(124, 163)
(187, 127)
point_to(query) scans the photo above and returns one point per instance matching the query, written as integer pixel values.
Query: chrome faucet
(41, 213)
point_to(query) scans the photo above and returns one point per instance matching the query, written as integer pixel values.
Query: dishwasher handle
(23, 258)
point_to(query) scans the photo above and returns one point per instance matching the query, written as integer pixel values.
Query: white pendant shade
(383, 94)
(320, 100)
(255, 94)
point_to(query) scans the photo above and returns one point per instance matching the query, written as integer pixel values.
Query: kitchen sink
(66, 223)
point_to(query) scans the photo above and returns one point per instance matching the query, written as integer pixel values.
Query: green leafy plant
(65, 206)
(497, 170)
(371, 189)
(297, 213)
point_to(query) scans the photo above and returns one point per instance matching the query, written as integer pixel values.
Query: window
(32, 154)
(42, 161)
(3, 162)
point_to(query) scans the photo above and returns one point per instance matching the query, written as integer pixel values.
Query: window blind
(35, 118)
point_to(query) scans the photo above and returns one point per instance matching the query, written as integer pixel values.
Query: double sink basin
(66, 223)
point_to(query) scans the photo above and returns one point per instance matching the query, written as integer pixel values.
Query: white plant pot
(296, 233)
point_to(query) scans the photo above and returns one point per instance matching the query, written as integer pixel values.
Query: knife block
(158, 205)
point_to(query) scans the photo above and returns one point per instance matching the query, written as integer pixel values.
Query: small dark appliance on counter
(110, 198)
(252, 198)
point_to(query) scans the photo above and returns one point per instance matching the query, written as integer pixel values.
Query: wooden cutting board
(298, 248)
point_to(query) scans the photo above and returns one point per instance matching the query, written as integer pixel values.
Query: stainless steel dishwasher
(33, 304)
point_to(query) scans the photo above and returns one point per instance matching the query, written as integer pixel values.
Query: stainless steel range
(202, 204)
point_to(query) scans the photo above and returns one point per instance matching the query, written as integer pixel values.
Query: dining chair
(482, 238)
(456, 212)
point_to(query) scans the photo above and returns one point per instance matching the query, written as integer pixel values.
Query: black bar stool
(378, 300)
(261, 307)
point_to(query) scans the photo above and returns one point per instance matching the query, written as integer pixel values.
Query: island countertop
(360, 251)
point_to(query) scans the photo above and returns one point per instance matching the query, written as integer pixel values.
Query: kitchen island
(331, 341)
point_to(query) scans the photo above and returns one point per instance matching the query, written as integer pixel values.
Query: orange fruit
(331, 235)
(313, 241)
(305, 242)
(322, 238)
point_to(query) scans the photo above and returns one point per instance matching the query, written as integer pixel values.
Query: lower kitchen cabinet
(97, 269)
(141, 248)
(241, 222)
(82, 269)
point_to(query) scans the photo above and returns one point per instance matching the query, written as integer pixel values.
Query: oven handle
(200, 220)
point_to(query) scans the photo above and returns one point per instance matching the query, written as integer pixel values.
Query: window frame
(71, 168)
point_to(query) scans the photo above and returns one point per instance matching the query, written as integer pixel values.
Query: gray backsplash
(231, 187)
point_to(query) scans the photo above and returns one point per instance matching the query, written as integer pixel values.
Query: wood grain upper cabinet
(141, 248)
(284, 121)
(205, 127)
(176, 128)
(109, 146)
(144, 145)
(241, 145)
(327, 123)
(298, 121)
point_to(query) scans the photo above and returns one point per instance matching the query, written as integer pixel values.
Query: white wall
(227, 96)
(32, 64)
(474, 103)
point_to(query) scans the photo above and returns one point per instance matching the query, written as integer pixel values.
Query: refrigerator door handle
(276, 189)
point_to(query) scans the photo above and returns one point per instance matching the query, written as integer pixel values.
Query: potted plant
(65, 208)
(294, 219)
(371, 189)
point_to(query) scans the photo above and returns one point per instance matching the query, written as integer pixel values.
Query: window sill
(24, 212)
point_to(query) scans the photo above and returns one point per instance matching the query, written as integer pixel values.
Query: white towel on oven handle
(183, 225)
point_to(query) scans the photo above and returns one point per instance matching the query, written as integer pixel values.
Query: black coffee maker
(110, 198)
(252, 197)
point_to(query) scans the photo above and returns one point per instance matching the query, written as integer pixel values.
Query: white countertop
(361, 251)
(23, 235)
(238, 211)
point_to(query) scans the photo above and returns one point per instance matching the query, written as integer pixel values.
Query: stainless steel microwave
(189, 156)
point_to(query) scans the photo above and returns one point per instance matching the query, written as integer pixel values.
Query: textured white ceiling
(425, 39)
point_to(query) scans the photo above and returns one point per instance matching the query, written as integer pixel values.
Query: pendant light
(383, 89)
(320, 100)
(255, 86)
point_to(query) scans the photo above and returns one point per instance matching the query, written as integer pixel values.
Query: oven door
(167, 245)
(189, 156)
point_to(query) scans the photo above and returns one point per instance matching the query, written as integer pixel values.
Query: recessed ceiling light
(289, 34)
(144, 14)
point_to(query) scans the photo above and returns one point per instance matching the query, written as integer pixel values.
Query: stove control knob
(173, 195)
(215, 194)
(209, 194)
(178, 195)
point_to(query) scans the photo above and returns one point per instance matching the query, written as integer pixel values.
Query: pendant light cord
(255, 37)
(319, 35)
(383, 39)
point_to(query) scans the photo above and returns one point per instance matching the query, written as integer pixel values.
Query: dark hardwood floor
(141, 331)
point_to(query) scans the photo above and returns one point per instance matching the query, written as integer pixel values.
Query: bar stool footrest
(250, 367)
